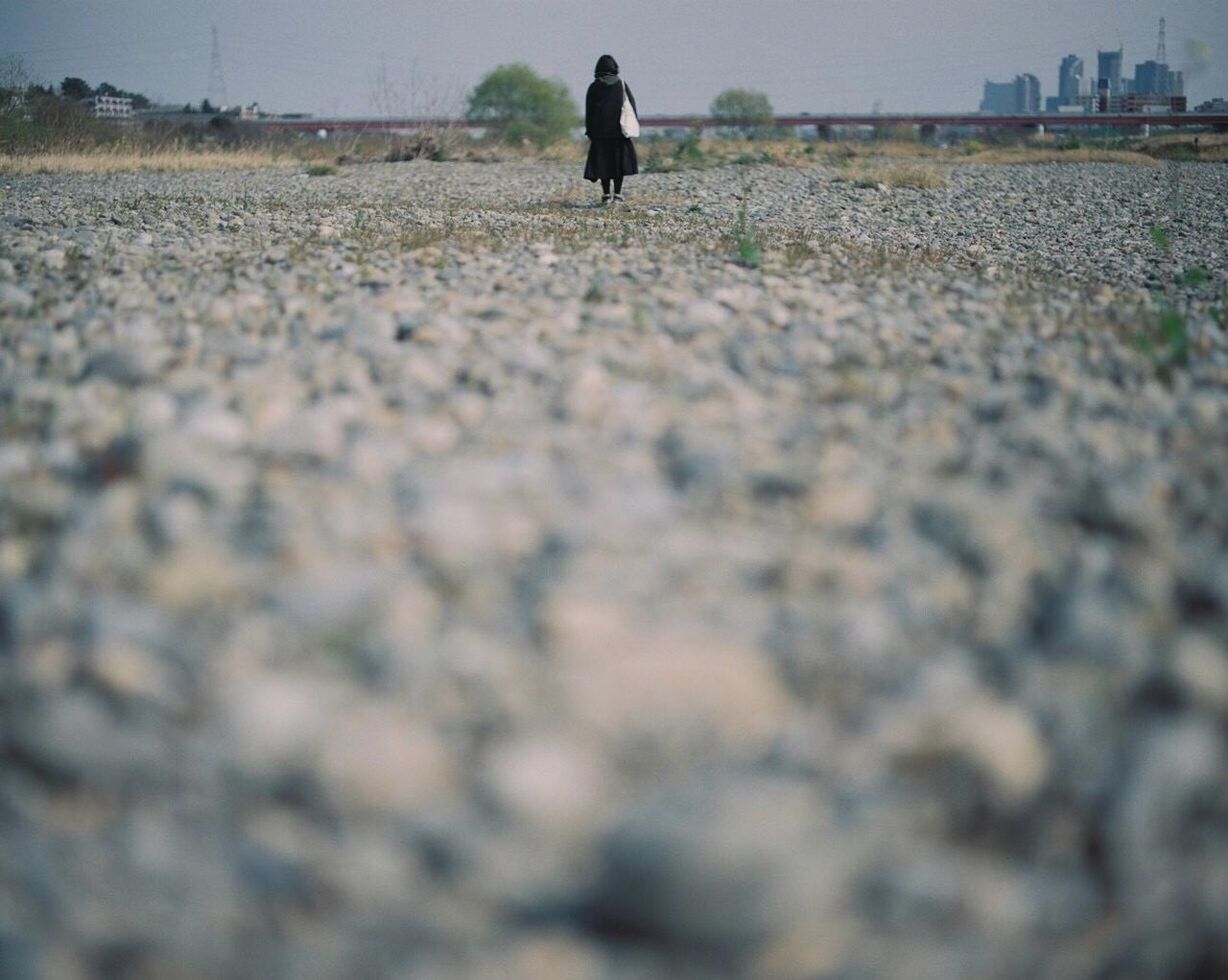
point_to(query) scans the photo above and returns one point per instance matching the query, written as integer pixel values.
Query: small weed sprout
(747, 240)
(321, 170)
(1220, 315)
(1174, 331)
(1194, 277)
(1166, 340)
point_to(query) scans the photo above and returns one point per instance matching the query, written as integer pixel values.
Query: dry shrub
(115, 161)
(905, 175)
(1034, 155)
(920, 176)
(890, 149)
(564, 151)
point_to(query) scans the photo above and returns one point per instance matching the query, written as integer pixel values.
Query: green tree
(522, 105)
(75, 88)
(744, 110)
(206, 106)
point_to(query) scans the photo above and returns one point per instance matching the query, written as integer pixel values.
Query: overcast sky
(324, 56)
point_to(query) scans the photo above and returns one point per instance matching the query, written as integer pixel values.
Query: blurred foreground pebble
(415, 573)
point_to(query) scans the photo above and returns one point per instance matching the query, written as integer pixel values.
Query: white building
(110, 106)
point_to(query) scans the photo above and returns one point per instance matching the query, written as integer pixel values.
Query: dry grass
(115, 161)
(565, 151)
(908, 175)
(1206, 140)
(1038, 155)
(870, 174)
(888, 149)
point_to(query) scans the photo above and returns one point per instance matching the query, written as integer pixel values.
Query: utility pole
(217, 81)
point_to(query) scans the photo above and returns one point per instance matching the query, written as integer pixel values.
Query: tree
(13, 72)
(746, 111)
(75, 88)
(205, 106)
(522, 105)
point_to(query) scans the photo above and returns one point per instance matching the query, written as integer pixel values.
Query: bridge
(824, 123)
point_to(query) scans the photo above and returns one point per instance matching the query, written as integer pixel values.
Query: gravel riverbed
(418, 572)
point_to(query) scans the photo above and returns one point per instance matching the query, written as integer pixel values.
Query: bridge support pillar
(823, 133)
(928, 133)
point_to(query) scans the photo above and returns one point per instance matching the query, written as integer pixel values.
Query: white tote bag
(626, 119)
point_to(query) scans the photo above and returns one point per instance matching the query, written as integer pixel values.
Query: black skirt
(608, 159)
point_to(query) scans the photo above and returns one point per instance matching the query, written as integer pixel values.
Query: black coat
(602, 107)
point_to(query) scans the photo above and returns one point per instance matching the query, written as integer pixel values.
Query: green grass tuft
(1194, 276)
(747, 241)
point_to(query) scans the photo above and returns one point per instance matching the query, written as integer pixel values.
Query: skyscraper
(1108, 70)
(1027, 93)
(1069, 79)
(1151, 78)
(1155, 78)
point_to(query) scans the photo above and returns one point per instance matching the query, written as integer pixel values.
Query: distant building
(1108, 71)
(1027, 93)
(250, 111)
(999, 98)
(1133, 102)
(1007, 98)
(1148, 103)
(1212, 105)
(110, 106)
(1155, 78)
(1151, 78)
(1082, 103)
(1069, 79)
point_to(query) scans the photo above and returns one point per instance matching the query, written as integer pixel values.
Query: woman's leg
(605, 186)
(618, 184)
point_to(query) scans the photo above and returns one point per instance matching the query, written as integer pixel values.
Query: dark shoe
(605, 199)
(618, 199)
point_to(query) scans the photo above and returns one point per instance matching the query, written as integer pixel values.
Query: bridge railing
(951, 120)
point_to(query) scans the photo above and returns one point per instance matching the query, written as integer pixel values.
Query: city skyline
(380, 56)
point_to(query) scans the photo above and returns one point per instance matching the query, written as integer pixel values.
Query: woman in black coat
(611, 155)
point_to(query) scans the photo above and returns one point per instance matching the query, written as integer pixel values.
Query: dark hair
(606, 65)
